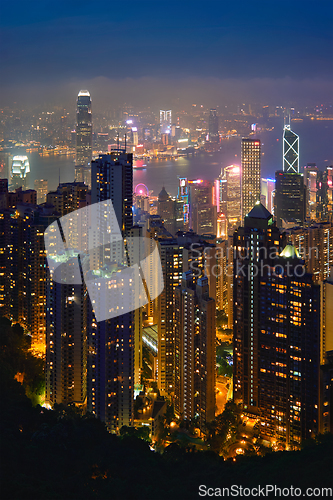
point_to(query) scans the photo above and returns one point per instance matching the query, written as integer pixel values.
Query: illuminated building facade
(314, 244)
(83, 129)
(165, 121)
(290, 151)
(112, 178)
(311, 178)
(66, 339)
(194, 350)
(290, 198)
(250, 175)
(267, 190)
(41, 189)
(202, 211)
(276, 333)
(19, 171)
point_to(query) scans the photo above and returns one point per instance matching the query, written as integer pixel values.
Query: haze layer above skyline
(141, 50)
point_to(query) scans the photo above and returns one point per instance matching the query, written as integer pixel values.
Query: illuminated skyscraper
(276, 333)
(267, 190)
(290, 151)
(20, 170)
(41, 189)
(311, 177)
(202, 211)
(83, 128)
(213, 126)
(232, 175)
(194, 350)
(112, 179)
(165, 121)
(250, 184)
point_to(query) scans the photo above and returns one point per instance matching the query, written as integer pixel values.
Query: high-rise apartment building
(83, 128)
(232, 175)
(66, 339)
(250, 176)
(290, 198)
(194, 350)
(267, 190)
(68, 197)
(276, 333)
(290, 151)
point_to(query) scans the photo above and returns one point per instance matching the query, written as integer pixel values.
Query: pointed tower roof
(163, 196)
(259, 212)
(290, 251)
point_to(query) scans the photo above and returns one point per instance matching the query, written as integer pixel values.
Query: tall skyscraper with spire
(250, 180)
(83, 129)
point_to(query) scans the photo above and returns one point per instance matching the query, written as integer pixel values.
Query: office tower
(232, 175)
(112, 178)
(250, 175)
(221, 226)
(41, 189)
(290, 151)
(267, 190)
(276, 333)
(68, 197)
(110, 366)
(165, 121)
(290, 198)
(202, 211)
(314, 244)
(83, 129)
(66, 338)
(311, 176)
(329, 189)
(194, 351)
(166, 209)
(213, 126)
(220, 194)
(19, 171)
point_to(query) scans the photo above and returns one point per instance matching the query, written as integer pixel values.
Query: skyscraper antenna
(118, 141)
(59, 176)
(125, 141)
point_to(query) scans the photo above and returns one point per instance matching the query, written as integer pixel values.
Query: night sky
(54, 43)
